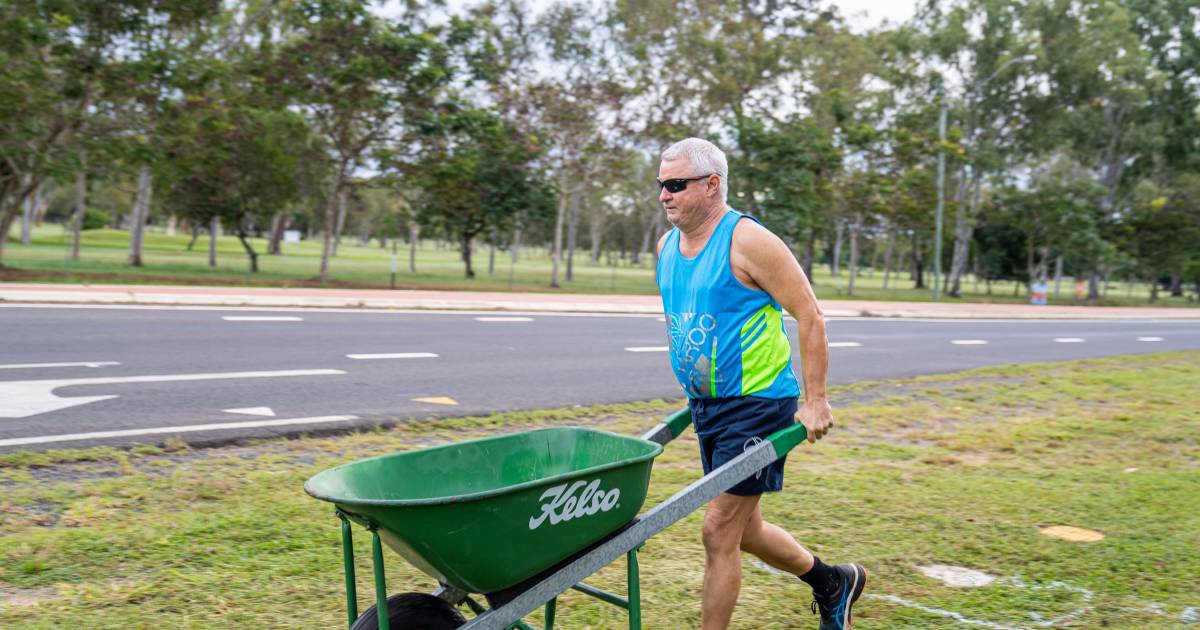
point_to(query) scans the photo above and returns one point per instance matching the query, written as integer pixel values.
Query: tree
(358, 79)
(474, 176)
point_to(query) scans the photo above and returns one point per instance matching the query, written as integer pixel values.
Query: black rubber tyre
(413, 611)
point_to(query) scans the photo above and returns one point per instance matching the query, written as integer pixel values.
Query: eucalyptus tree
(981, 50)
(359, 79)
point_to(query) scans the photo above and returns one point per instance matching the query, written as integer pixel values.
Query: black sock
(821, 577)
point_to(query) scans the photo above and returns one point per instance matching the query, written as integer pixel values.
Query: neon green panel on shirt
(765, 350)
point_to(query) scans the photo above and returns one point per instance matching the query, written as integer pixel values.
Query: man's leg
(724, 524)
(774, 546)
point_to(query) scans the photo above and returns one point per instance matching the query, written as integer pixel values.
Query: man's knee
(725, 522)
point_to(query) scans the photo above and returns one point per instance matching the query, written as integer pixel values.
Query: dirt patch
(25, 597)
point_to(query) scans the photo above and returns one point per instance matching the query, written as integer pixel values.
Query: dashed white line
(91, 364)
(261, 318)
(393, 355)
(844, 344)
(1069, 340)
(969, 342)
(646, 349)
(191, 428)
(1150, 338)
(503, 319)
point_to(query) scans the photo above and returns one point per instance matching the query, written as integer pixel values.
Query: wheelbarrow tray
(484, 515)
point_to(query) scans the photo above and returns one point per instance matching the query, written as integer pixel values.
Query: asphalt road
(131, 375)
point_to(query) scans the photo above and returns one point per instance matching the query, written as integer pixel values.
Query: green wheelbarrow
(517, 519)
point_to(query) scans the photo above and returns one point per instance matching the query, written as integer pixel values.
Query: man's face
(681, 206)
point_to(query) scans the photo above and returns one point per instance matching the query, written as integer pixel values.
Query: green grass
(961, 469)
(167, 261)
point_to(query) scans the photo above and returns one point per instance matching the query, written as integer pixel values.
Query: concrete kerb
(528, 303)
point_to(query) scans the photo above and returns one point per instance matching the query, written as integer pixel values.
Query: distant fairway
(439, 266)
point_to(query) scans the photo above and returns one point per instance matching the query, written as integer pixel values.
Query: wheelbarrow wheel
(413, 611)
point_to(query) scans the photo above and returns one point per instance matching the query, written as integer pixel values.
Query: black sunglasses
(679, 183)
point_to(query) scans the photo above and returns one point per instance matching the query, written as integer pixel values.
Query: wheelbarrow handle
(784, 440)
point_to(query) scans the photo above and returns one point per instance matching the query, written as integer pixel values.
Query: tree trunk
(964, 227)
(596, 234)
(888, 257)
(249, 250)
(80, 206)
(414, 237)
(516, 244)
(810, 254)
(275, 242)
(141, 210)
(195, 235)
(918, 265)
(341, 218)
(6, 220)
(1058, 271)
(492, 253)
(572, 233)
(556, 255)
(836, 260)
(331, 211)
(1093, 285)
(1153, 287)
(214, 231)
(464, 247)
(29, 211)
(1176, 284)
(855, 228)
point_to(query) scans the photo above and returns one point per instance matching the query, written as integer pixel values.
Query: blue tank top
(726, 339)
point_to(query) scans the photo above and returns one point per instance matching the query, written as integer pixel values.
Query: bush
(94, 219)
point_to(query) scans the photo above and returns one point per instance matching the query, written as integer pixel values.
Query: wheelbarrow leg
(635, 590)
(348, 562)
(381, 607)
(551, 607)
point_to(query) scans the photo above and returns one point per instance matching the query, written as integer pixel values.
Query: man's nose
(664, 195)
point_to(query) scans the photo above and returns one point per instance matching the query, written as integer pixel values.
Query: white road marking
(1150, 338)
(91, 364)
(1069, 340)
(253, 411)
(21, 399)
(191, 428)
(646, 349)
(969, 342)
(844, 344)
(393, 355)
(503, 319)
(261, 318)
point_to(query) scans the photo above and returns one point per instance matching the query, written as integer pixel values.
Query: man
(723, 281)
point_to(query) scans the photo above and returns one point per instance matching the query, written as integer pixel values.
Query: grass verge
(962, 469)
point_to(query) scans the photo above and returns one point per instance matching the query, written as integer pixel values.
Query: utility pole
(941, 197)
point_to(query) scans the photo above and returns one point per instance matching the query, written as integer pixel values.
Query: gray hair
(704, 157)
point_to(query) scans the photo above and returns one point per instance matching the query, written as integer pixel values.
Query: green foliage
(94, 219)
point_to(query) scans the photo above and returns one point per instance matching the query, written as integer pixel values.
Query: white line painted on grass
(393, 355)
(503, 319)
(191, 428)
(844, 344)
(91, 364)
(261, 318)
(1150, 338)
(21, 399)
(646, 349)
(943, 613)
(1069, 340)
(969, 342)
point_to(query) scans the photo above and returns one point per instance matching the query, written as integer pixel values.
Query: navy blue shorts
(727, 427)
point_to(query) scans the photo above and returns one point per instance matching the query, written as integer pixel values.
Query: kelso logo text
(581, 499)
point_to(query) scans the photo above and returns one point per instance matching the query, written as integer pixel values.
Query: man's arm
(761, 260)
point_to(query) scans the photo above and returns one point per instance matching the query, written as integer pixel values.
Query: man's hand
(817, 418)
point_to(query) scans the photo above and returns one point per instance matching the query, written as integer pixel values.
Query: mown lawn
(962, 469)
(167, 261)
